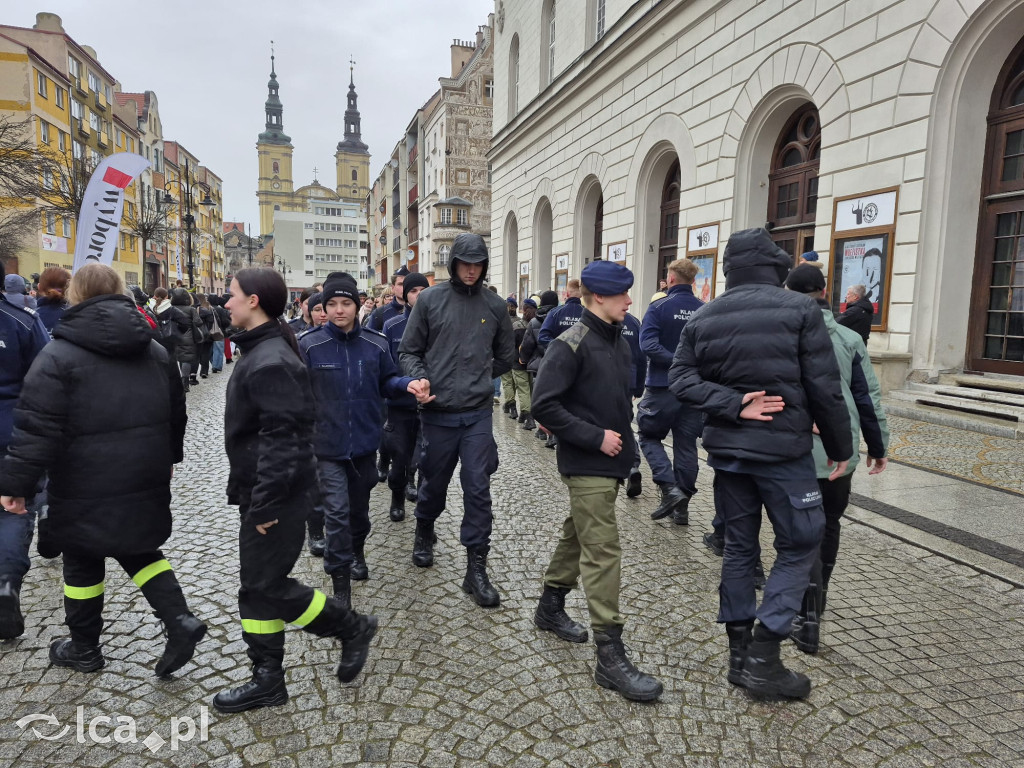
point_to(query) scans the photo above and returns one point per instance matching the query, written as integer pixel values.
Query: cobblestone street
(922, 660)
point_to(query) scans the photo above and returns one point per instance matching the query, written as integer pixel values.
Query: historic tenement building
(887, 136)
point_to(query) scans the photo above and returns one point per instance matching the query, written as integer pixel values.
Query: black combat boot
(527, 419)
(183, 635)
(513, 412)
(614, 670)
(317, 543)
(552, 442)
(764, 676)
(397, 511)
(411, 491)
(66, 652)
(715, 543)
(356, 632)
(633, 487)
(476, 582)
(540, 434)
(522, 416)
(12, 623)
(740, 636)
(551, 616)
(383, 463)
(806, 630)
(505, 406)
(341, 581)
(670, 497)
(266, 689)
(423, 544)
(681, 513)
(359, 570)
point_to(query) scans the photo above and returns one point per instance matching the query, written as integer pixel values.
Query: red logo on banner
(117, 179)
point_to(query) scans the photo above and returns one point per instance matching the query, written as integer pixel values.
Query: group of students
(758, 373)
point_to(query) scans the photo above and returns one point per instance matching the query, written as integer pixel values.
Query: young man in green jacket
(863, 398)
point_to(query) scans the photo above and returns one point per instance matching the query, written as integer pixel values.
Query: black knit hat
(549, 299)
(340, 285)
(807, 278)
(414, 280)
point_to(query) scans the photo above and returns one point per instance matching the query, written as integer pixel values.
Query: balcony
(80, 86)
(414, 194)
(83, 127)
(102, 139)
(101, 101)
(414, 233)
(414, 153)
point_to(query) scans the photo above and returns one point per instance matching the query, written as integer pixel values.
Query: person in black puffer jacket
(109, 465)
(860, 312)
(759, 362)
(268, 428)
(205, 347)
(187, 350)
(530, 350)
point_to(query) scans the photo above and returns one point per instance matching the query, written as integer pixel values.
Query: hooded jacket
(268, 426)
(187, 350)
(103, 414)
(459, 336)
(530, 351)
(757, 336)
(351, 374)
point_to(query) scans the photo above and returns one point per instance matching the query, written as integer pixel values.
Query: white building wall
(714, 82)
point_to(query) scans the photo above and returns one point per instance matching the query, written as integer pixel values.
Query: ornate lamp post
(186, 185)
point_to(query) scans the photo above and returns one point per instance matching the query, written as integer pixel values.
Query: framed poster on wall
(524, 280)
(616, 252)
(702, 250)
(561, 274)
(864, 232)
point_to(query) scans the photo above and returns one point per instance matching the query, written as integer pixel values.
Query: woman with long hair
(187, 350)
(109, 466)
(205, 312)
(268, 426)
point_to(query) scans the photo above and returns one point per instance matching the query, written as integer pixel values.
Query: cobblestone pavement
(995, 461)
(922, 661)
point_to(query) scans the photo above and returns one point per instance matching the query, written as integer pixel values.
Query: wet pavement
(922, 661)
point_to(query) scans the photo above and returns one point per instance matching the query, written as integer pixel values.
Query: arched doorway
(793, 182)
(510, 254)
(588, 237)
(997, 301)
(542, 234)
(668, 237)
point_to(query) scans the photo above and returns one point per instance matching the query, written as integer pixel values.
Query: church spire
(274, 133)
(353, 142)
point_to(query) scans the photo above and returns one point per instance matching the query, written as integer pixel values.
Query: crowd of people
(349, 393)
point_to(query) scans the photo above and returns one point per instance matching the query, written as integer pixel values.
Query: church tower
(274, 148)
(353, 156)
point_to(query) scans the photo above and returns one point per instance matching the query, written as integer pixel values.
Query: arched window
(598, 228)
(442, 254)
(513, 77)
(277, 167)
(668, 239)
(997, 302)
(793, 182)
(547, 43)
(355, 175)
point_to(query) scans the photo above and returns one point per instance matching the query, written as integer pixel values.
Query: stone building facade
(887, 136)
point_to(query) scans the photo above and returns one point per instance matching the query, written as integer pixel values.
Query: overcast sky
(208, 62)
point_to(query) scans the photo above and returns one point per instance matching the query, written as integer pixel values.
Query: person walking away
(402, 428)
(529, 313)
(218, 334)
(863, 397)
(206, 323)
(24, 336)
(268, 425)
(351, 372)
(582, 394)
(51, 298)
(759, 363)
(109, 467)
(660, 412)
(517, 381)
(187, 350)
(459, 337)
(531, 352)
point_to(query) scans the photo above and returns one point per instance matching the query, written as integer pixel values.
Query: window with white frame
(78, 149)
(94, 122)
(94, 83)
(446, 215)
(47, 178)
(44, 131)
(74, 67)
(51, 223)
(58, 93)
(66, 226)
(41, 84)
(600, 18)
(463, 217)
(62, 141)
(76, 109)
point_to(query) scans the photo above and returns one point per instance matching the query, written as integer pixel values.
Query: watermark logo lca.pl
(121, 729)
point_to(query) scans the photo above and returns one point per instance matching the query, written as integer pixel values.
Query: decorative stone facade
(903, 92)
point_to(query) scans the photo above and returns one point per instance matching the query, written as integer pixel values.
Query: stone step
(990, 382)
(970, 393)
(972, 422)
(965, 404)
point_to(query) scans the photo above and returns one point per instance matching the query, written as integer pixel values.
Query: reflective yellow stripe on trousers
(83, 593)
(262, 627)
(151, 570)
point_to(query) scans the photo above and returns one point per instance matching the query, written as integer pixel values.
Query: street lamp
(285, 270)
(259, 241)
(185, 188)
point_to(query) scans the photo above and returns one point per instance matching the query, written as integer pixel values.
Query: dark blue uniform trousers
(795, 510)
(659, 413)
(401, 436)
(346, 487)
(468, 438)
